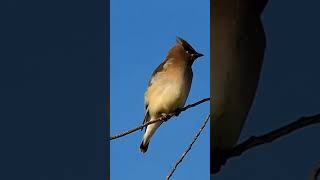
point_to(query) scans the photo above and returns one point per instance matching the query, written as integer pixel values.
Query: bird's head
(188, 50)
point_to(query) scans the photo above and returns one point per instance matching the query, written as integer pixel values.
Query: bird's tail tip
(144, 147)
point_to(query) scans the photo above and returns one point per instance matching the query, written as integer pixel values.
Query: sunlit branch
(189, 148)
(162, 118)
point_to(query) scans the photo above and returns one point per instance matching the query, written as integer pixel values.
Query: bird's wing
(146, 117)
(154, 77)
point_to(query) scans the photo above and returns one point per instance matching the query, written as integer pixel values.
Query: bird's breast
(168, 94)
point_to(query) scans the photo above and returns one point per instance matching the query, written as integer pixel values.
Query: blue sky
(141, 33)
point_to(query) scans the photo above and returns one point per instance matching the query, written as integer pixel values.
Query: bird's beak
(198, 55)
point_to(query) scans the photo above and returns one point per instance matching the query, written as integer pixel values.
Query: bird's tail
(144, 147)
(150, 130)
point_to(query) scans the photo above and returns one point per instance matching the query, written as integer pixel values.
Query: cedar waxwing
(169, 86)
(237, 50)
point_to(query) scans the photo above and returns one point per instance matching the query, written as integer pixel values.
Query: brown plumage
(169, 86)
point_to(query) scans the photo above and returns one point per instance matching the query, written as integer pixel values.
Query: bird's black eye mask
(186, 46)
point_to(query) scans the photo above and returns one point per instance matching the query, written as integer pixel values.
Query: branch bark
(189, 148)
(253, 142)
(162, 118)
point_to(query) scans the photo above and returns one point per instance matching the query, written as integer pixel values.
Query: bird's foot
(164, 116)
(177, 112)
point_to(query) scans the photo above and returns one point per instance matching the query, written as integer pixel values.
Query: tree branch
(189, 148)
(273, 135)
(162, 118)
(315, 172)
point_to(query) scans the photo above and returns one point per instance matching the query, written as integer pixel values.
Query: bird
(237, 50)
(168, 87)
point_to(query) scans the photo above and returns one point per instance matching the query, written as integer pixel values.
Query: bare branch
(162, 118)
(315, 172)
(189, 148)
(273, 135)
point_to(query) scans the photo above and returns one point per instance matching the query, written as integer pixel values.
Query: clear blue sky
(141, 34)
(289, 88)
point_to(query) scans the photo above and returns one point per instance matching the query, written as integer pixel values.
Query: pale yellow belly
(165, 98)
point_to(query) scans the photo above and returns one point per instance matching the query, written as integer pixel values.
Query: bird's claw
(177, 112)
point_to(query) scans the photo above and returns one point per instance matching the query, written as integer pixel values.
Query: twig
(162, 118)
(273, 135)
(188, 149)
(315, 172)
